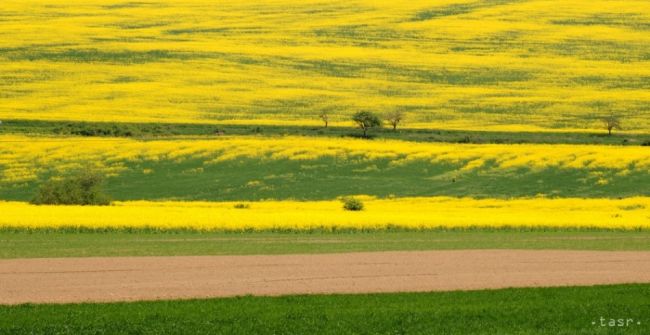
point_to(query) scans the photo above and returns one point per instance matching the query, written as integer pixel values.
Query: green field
(553, 311)
(329, 177)
(37, 244)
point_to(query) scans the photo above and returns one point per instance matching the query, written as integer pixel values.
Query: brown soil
(64, 280)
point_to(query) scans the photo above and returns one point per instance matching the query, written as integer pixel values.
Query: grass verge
(568, 310)
(80, 243)
(147, 130)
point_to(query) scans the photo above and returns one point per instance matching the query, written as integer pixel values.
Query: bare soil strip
(64, 280)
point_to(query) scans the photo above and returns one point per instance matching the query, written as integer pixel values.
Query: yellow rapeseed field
(412, 213)
(500, 64)
(23, 158)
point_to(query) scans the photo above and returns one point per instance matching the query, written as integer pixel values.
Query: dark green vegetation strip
(94, 55)
(35, 244)
(157, 130)
(625, 20)
(458, 9)
(568, 310)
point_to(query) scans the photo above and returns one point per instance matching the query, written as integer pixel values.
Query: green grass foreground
(32, 244)
(568, 310)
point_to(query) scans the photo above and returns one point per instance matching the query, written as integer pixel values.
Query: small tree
(325, 116)
(611, 122)
(82, 188)
(352, 204)
(394, 118)
(366, 121)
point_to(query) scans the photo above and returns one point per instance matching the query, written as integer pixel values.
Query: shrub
(352, 204)
(82, 188)
(256, 130)
(100, 129)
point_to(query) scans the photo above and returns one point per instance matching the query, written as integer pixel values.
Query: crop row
(402, 213)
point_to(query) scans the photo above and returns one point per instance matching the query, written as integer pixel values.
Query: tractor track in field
(105, 279)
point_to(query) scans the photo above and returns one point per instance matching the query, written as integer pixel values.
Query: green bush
(352, 204)
(83, 188)
(366, 121)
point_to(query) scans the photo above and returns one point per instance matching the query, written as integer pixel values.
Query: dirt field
(64, 280)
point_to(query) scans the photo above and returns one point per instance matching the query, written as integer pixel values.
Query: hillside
(497, 64)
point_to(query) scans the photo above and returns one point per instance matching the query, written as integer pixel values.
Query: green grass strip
(154, 130)
(43, 243)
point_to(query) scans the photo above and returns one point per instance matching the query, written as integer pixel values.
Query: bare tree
(394, 118)
(325, 116)
(611, 122)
